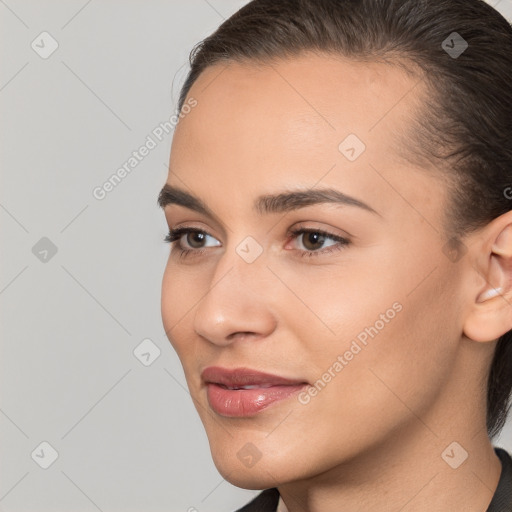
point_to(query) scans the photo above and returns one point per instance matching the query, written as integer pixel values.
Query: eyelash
(175, 234)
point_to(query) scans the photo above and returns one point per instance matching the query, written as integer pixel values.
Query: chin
(267, 471)
(250, 482)
(255, 478)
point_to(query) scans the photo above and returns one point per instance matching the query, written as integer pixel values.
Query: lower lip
(238, 403)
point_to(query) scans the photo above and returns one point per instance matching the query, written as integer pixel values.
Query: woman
(340, 279)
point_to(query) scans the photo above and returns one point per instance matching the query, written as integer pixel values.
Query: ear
(490, 312)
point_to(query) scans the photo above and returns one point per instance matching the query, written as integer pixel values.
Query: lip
(238, 377)
(266, 389)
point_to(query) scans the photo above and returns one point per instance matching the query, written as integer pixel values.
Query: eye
(312, 240)
(194, 237)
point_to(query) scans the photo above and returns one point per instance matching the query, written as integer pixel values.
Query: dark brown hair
(464, 128)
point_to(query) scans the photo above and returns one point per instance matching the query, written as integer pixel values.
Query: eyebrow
(266, 204)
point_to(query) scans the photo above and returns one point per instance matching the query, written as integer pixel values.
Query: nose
(238, 304)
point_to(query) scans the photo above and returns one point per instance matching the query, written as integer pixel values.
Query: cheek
(396, 360)
(389, 345)
(373, 389)
(168, 303)
(177, 301)
(330, 306)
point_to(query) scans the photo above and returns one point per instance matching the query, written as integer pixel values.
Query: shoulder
(266, 501)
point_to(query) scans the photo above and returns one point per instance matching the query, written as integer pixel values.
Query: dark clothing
(267, 500)
(502, 499)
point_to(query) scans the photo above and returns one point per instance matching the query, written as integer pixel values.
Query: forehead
(324, 90)
(258, 127)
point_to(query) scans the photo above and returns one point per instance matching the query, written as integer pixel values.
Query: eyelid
(170, 217)
(331, 231)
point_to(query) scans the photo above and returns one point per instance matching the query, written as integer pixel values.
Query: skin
(373, 437)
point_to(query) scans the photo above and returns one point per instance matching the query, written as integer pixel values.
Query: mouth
(243, 392)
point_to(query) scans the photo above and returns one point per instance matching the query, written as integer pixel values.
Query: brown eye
(195, 239)
(313, 241)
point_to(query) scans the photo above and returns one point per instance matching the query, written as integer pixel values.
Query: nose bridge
(238, 299)
(243, 264)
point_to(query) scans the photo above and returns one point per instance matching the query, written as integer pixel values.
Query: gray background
(127, 435)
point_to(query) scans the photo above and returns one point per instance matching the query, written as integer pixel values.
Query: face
(352, 301)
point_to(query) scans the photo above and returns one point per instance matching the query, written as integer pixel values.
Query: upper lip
(238, 377)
